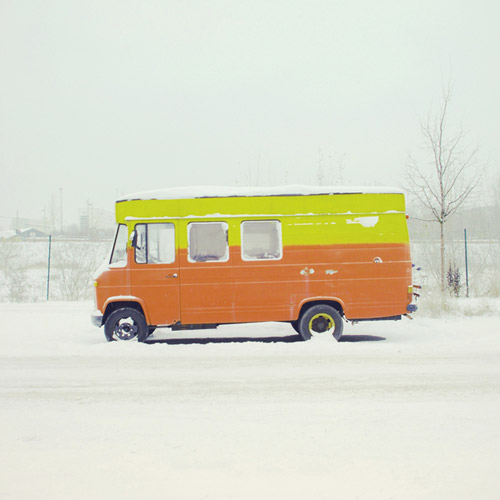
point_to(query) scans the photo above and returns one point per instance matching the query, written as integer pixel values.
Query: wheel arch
(114, 303)
(333, 302)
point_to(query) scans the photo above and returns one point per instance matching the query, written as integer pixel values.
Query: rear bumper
(411, 308)
(96, 318)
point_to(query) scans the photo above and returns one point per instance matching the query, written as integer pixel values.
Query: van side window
(261, 240)
(155, 243)
(207, 241)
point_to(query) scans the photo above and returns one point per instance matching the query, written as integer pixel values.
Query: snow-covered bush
(14, 278)
(454, 280)
(483, 266)
(24, 269)
(74, 265)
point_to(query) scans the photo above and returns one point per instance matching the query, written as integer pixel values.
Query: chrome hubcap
(125, 329)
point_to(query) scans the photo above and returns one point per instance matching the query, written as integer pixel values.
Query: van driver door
(155, 271)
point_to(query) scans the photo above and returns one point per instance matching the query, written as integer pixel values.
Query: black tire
(126, 324)
(319, 320)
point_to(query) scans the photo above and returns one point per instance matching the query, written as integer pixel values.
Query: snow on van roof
(180, 193)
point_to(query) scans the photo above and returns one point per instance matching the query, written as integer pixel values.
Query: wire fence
(25, 276)
(482, 266)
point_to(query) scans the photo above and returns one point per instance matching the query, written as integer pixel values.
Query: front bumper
(96, 318)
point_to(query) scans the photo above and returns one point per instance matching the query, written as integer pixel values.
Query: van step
(203, 326)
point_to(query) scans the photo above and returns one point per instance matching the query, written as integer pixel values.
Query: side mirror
(133, 238)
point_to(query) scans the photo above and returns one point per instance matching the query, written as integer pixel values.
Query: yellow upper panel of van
(239, 202)
(315, 215)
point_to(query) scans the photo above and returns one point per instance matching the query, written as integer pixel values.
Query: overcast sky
(106, 97)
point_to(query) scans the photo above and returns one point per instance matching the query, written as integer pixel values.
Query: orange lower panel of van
(369, 281)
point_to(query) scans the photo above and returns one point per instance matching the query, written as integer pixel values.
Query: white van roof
(189, 192)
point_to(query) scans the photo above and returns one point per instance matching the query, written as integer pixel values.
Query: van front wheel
(319, 321)
(126, 324)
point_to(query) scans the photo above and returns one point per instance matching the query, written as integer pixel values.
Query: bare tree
(75, 263)
(331, 171)
(450, 173)
(495, 195)
(15, 275)
(52, 214)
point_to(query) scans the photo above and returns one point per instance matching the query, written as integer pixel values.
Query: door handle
(171, 275)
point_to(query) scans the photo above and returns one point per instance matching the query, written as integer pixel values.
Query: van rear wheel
(126, 324)
(319, 321)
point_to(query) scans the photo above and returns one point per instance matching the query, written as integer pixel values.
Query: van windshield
(119, 253)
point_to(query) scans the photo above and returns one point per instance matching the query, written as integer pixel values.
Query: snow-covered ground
(396, 410)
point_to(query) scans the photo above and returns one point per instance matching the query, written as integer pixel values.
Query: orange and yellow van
(189, 258)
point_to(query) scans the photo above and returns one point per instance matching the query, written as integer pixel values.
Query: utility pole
(44, 212)
(88, 218)
(466, 265)
(61, 208)
(48, 266)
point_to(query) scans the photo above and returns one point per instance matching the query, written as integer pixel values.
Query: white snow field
(396, 410)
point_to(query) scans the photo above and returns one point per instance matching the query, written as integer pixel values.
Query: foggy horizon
(101, 99)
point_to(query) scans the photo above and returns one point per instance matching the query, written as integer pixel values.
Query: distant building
(22, 234)
(8, 234)
(31, 232)
(84, 224)
(96, 223)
